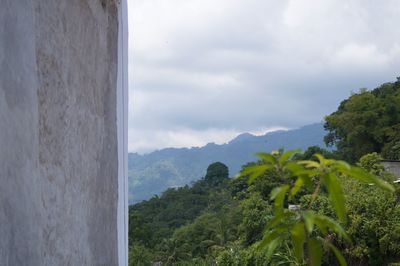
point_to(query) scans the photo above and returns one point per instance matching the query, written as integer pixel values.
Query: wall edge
(122, 128)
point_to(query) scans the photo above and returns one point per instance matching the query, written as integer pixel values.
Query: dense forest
(288, 208)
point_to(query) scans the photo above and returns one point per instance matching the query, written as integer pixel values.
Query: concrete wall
(59, 161)
(393, 167)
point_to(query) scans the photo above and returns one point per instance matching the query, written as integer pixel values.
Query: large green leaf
(314, 252)
(272, 235)
(299, 238)
(297, 185)
(309, 217)
(325, 223)
(272, 247)
(364, 176)
(310, 164)
(321, 158)
(278, 195)
(254, 171)
(277, 219)
(336, 195)
(294, 167)
(267, 157)
(337, 253)
(297, 170)
(284, 157)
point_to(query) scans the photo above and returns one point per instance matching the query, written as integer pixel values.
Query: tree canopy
(368, 121)
(216, 173)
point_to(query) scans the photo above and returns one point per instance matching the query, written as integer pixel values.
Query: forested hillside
(340, 214)
(152, 173)
(222, 220)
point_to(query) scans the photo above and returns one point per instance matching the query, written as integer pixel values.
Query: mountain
(152, 173)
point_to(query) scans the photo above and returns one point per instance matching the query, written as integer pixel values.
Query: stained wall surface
(393, 167)
(58, 132)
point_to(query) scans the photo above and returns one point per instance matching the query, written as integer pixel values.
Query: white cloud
(359, 55)
(197, 65)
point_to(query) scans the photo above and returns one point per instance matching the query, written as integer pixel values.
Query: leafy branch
(309, 232)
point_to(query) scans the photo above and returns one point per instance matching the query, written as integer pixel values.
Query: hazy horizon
(222, 141)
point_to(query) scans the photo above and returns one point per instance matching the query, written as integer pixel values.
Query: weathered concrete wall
(393, 167)
(58, 134)
(20, 182)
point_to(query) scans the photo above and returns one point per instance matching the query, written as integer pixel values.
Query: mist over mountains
(152, 173)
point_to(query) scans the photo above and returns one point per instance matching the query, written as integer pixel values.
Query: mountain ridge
(152, 173)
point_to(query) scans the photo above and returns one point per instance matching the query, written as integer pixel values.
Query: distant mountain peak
(210, 144)
(242, 137)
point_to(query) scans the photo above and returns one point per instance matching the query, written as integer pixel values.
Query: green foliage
(216, 173)
(156, 219)
(139, 230)
(374, 217)
(371, 162)
(171, 252)
(374, 224)
(237, 222)
(187, 223)
(255, 212)
(208, 234)
(311, 151)
(307, 231)
(320, 204)
(139, 255)
(392, 151)
(368, 121)
(236, 256)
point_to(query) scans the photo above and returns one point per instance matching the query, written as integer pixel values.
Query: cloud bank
(206, 70)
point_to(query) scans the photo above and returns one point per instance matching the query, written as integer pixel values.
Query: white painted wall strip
(122, 127)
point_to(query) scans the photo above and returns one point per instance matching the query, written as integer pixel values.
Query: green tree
(368, 121)
(374, 218)
(311, 151)
(198, 236)
(371, 162)
(374, 224)
(139, 255)
(239, 256)
(216, 173)
(139, 230)
(173, 252)
(255, 212)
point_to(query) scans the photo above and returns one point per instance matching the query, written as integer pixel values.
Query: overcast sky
(206, 70)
